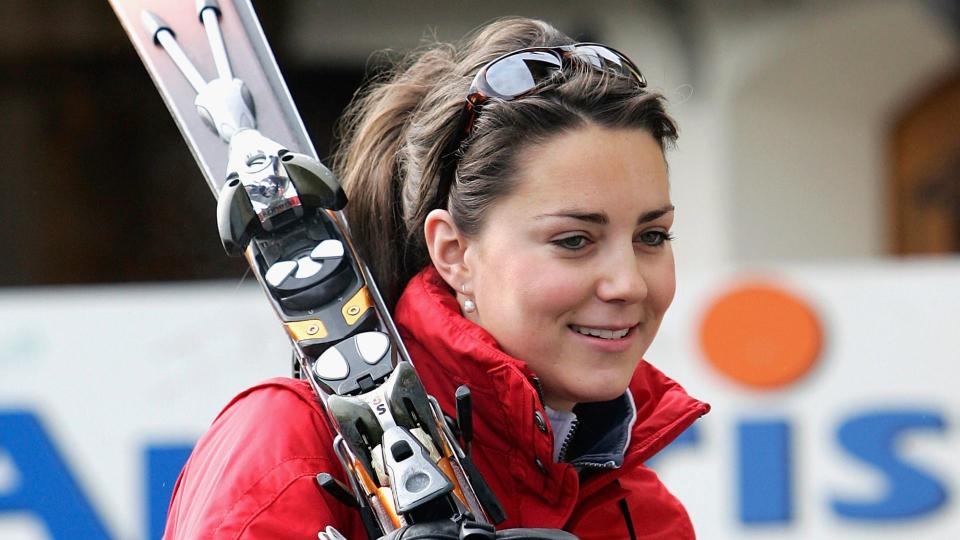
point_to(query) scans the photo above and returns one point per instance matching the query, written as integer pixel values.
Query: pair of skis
(280, 207)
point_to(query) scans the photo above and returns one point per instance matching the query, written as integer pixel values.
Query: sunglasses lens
(519, 73)
(603, 58)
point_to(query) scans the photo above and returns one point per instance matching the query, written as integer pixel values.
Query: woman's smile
(604, 340)
(603, 333)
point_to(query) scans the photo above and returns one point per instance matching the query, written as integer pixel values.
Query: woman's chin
(603, 390)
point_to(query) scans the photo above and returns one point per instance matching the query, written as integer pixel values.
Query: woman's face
(573, 271)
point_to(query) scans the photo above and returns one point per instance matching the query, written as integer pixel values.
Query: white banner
(833, 393)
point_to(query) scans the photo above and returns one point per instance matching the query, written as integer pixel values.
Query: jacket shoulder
(252, 473)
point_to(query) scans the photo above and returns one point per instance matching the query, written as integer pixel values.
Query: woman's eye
(655, 238)
(571, 242)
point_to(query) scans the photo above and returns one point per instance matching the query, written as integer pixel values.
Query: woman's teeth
(599, 332)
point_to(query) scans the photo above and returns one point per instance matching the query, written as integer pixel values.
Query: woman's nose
(621, 278)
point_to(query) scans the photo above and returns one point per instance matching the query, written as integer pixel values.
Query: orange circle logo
(761, 336)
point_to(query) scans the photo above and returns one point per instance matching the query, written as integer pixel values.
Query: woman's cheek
(557, 290)
(663, 283)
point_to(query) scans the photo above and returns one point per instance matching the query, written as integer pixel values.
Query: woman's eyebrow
(600, 218)
(655, 214)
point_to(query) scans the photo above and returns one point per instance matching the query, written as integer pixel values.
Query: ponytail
(371, 166)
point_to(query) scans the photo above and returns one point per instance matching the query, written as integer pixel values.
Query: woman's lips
(607, 339)
(601, 332)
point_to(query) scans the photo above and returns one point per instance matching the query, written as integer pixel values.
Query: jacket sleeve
(298, 511)
(251, 476)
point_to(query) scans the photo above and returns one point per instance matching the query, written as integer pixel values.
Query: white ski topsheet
(250, 58)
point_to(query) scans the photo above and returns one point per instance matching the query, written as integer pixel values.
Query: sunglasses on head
(519, 73)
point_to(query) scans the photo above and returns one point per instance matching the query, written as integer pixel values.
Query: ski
(280, 207)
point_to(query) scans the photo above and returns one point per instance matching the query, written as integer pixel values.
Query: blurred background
(817, 185)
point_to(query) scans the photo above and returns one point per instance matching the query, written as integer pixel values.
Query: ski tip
(154, 25)
(211, 4)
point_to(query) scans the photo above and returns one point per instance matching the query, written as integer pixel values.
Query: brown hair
(397, 134)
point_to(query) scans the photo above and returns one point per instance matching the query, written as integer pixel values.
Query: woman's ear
(447, 248)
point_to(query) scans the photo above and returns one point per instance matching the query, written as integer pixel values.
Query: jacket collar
(449, 350)
(603, 433)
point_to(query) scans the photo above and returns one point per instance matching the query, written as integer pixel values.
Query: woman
(523, 237)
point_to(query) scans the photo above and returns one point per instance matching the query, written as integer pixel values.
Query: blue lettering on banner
(764, 471)
(911, 492)
(45, 488)
(164, 463)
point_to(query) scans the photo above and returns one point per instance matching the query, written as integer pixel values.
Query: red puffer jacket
(252, 474)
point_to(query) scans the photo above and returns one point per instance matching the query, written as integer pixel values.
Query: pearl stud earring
(468, 305)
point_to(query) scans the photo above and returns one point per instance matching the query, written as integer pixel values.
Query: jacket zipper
(566, 440)
(591, 465)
